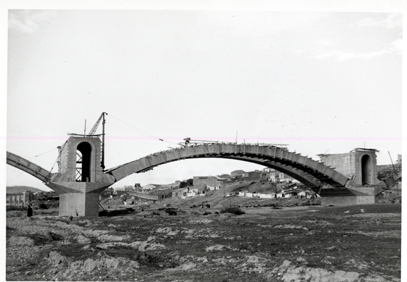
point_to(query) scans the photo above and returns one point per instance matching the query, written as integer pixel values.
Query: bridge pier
(350, 196)
(79, 204)
(80, 179)
(79, 199)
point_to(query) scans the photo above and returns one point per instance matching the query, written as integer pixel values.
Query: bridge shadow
(340, 192)
(117, 212)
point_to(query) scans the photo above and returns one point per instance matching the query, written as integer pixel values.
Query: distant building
(19, 199)
(212, 182)
(277, 176)
(224, 176)
(149, 187)
(164, 186)
(239, 174)
(257, 175)
(189, 192)
(179, 193)
(268, 174)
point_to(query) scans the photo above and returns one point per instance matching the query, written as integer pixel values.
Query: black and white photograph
(202, 141)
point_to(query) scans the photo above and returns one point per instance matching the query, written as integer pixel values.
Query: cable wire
(149, 134)
(44, 153)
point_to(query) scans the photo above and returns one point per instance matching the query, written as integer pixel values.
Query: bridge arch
(312, 173)
(29, 167)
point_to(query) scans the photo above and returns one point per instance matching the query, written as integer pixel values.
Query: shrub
(15, 208)
(234, 210)
(42, 206)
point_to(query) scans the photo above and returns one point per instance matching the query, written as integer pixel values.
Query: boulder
(151, 244)
(81, 239)
(20, 241)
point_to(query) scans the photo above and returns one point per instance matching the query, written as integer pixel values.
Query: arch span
(312, 173)
(29, 167)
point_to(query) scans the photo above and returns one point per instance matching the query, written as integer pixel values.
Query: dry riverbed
(359, 243)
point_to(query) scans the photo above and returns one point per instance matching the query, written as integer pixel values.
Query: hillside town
(278, 185)
(273, 184)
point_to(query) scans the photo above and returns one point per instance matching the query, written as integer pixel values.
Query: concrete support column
(79, 204)
(79, 198)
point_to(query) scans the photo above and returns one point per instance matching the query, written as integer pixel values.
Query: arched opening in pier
(83, 162)
(367, 168)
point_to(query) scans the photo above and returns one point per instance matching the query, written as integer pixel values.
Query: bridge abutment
(359, 165)
(349, 196)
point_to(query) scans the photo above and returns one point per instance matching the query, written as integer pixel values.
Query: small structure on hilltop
(239, 174)
(188, 192)
(212, 182)
(149, 187)
(276, 176)
(225, 177)
(257, 175)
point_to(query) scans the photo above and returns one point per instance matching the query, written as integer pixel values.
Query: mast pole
(103, 141)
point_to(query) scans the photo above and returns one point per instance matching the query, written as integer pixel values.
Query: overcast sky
(321, 82)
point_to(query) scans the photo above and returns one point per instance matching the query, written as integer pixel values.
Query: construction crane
(92, 132)
(95, 127)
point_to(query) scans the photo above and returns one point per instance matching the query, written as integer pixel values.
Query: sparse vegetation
(299, 243)
(385, 171)
(197, 239)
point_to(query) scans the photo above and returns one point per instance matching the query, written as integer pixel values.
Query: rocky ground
(301, 243)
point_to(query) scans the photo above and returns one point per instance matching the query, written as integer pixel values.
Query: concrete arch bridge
(79, 195)
(312, 173)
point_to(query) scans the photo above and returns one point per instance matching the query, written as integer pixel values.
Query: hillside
(385, 171)
(222, 198)
(19, 189)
